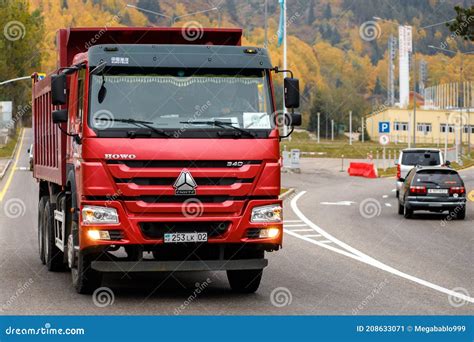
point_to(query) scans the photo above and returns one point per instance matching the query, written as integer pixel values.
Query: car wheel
(407, 212)
(401, 209)
(461, 215)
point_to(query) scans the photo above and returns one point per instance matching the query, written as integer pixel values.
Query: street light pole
(319, 126)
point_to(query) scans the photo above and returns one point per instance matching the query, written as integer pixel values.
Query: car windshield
(175, 99)
(421, 158)
(446, 178)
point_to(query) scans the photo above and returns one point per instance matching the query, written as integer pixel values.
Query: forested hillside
(335, 47)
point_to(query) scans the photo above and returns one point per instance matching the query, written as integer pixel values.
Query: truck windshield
(175, 100)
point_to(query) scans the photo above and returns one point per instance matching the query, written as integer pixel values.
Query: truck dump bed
(49, 142)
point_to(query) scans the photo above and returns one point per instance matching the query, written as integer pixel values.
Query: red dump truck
(157, 150)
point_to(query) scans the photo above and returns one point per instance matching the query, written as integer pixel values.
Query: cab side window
(80, 94)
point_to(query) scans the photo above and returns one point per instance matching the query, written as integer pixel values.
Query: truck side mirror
(58, 89)
(292, 92)
(447, 163)
(60, 116)
(293, 119)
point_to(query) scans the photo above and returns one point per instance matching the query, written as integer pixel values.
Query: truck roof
(73, 41)
(178, 56)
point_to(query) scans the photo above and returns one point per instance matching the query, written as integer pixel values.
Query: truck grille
(182, 163)
(156, 230)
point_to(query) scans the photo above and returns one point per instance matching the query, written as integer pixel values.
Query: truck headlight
(267, 213)
(97, 215)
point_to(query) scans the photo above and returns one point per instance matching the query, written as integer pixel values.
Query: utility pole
(319, 126)
(266, 25)
(350, 127)
(285, 66)
(332, 130)
(414, 96)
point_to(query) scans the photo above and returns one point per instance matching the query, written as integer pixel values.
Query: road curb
(4, 172)
(9, 162)
(287, 193)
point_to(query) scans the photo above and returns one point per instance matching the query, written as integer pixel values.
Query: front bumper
(178, 266)
(239, 224)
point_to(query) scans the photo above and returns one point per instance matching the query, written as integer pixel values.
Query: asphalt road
(346, 251)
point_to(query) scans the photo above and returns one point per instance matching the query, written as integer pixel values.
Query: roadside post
(295, 160)
(342, 163)
(332, 130)
(384, 140)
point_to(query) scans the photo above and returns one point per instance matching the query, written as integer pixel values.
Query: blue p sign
(384, 127)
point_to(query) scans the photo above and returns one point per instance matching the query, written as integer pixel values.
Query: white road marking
(388, 205)
(338, 203)
(353, 253)
(301, 230)
(325, 241)
(296, 225)
(385, 196)
(292, 221)
(393, 190)
(312, 235)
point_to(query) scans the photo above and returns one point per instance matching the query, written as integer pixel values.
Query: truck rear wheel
(53, 256)
(41, 240)
(244, 281)
(84, 279)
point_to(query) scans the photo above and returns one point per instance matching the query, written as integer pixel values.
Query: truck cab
(161, 155)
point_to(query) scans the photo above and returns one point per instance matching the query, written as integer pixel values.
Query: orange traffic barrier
(362, 170)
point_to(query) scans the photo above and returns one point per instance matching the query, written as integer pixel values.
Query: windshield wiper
(139, 123)
(222, 124)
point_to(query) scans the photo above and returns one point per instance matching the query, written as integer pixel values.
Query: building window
(400, 126)
(450, 128)
(468, 129)
(424, 127)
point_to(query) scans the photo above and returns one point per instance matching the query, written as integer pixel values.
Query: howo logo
(119, 156)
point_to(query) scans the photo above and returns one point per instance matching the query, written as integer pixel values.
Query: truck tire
(41, 240)
(244, 281)
(53, 256)
(84, 279)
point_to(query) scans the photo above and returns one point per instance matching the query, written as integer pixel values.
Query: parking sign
(384, 127)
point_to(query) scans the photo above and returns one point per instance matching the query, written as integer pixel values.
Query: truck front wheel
(41, 205)
(84, 279)
(244, 281)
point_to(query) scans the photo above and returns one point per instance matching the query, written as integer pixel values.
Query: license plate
(185, 237)
(437, 191)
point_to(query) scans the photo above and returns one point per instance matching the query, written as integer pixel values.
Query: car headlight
(267, 213)
(96, 215)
